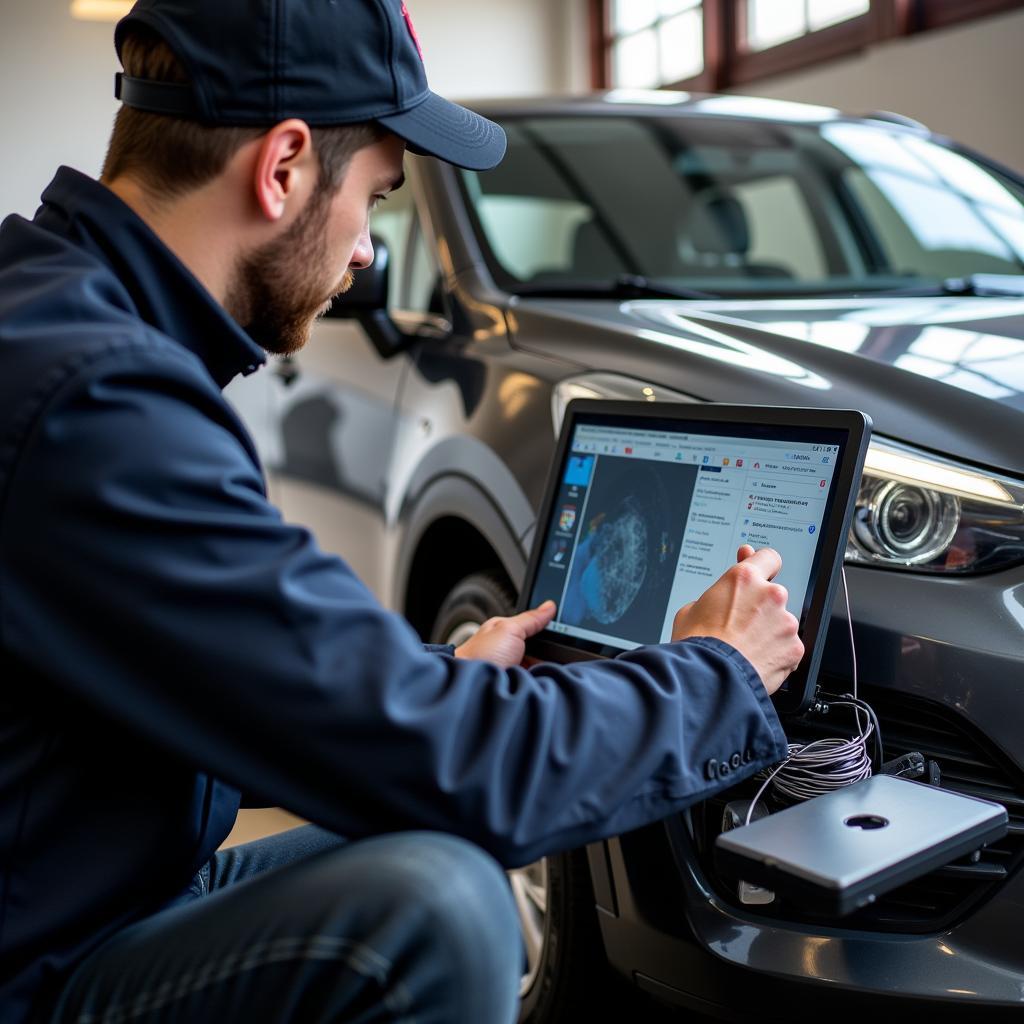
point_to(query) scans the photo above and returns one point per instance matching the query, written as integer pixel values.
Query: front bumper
(957, 644)
(694, 950)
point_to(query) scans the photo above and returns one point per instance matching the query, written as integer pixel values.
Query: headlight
(928, 514)
(911, 524)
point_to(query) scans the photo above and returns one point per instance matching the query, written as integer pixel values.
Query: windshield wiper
(984, 284)
(625, 286)
(973, 284)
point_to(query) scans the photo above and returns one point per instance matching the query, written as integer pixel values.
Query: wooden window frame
(602, 38)
(599, 18)
(839, 40)
(728, 61)
(940, 13)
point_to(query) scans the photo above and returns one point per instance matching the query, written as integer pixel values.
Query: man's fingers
(767, 561)
(745, 551)
(533, 620)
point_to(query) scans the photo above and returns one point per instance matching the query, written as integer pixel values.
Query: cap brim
(438, 127)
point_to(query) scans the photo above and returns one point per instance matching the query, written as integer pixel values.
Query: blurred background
(955, 65)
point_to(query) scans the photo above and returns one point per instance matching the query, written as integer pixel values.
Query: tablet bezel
(800, 687)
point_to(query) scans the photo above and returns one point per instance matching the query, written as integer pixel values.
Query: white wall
(965, 82)
(513, 48)
(57, 74)
(56, 97)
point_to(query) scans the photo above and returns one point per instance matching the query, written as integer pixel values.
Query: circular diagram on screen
(623, 565)
(616, 572)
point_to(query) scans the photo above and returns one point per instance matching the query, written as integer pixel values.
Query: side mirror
(367, 302)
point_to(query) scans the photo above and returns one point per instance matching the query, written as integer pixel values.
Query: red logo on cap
(412, 30)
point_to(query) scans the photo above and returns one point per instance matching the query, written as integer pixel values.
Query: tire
(470, 602)
(567, 977)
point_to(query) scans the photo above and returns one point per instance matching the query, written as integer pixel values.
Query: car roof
(668, 102)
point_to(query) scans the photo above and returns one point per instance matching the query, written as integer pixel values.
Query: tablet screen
(645, 514)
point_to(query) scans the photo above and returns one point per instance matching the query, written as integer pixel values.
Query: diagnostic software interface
(646, 520)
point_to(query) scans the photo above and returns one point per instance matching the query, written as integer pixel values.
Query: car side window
(413, 284)
(392, 222)
(534, 235)
(423, 292)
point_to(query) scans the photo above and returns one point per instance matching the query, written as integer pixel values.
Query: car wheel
(566, 974)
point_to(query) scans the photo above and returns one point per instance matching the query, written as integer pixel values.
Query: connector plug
(907, 766)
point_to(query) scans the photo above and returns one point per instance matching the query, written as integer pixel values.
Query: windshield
(738, 207)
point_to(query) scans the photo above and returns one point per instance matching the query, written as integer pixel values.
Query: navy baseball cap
(328, 62)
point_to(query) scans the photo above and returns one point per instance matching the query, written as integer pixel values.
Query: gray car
(680, 248)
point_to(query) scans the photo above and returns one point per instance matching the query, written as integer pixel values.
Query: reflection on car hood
(973, 344)
(943, 373)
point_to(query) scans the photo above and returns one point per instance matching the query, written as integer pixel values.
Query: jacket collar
(166, 294)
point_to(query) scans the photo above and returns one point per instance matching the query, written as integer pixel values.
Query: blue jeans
(417, 928)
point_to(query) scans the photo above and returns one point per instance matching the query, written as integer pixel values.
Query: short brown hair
(170, 156)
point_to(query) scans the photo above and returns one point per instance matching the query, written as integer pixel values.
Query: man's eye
(377, 200)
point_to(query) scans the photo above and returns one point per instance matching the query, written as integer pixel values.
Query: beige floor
(255, 824)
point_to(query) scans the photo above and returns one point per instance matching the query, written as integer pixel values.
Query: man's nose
(362, 255)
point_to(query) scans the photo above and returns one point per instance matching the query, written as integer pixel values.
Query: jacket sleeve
(440, 648)
(146, 574)
(250, 799)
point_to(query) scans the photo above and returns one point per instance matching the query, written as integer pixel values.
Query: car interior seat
(593, 255)
(714, 239)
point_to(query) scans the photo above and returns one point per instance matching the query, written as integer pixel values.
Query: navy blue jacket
(167, 641)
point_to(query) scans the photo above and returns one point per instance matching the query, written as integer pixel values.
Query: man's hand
(745, 609)
(503, 640)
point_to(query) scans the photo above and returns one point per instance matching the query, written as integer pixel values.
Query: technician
(167, 641)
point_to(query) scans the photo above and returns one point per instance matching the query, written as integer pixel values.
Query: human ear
(284, 165)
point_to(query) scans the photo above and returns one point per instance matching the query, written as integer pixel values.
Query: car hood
(945, 374)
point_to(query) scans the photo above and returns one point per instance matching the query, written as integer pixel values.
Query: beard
(276, 292)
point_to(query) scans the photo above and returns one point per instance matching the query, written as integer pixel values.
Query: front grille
(969, 763)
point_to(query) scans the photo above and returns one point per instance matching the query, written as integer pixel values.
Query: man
(167, 641)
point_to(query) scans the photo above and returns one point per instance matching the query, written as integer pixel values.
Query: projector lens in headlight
(912, 524)
(926, 513)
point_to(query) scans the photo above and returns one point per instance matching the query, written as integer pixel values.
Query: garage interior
(951, 66)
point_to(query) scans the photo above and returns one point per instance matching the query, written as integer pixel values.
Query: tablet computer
(840, 851)
(647, 504)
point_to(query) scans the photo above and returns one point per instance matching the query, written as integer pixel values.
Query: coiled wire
(812, 769)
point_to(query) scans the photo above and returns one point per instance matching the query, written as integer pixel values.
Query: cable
(812, 769)
(849, 623)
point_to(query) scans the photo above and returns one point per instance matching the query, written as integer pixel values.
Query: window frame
(814, 47)
(610, 39)
(420, 238)
(940, 13)
(729, 61)
(417, 236)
